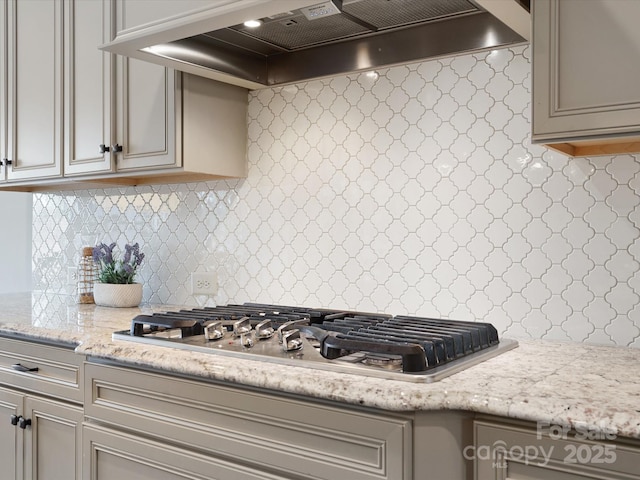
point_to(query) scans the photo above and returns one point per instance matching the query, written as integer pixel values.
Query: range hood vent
(336, 37)
(295, 31)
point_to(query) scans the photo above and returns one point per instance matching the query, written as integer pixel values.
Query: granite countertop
(590, 387)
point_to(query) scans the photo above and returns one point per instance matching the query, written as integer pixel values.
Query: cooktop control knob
(214, 331)
(264, 330)
(241, 327)
(291, 340)
(246, 340)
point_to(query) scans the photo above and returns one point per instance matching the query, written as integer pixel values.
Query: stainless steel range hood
(318, 39)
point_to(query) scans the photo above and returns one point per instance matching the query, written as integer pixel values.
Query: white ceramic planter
(117, 295)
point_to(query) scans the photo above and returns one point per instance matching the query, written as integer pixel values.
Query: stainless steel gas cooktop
(414, 349)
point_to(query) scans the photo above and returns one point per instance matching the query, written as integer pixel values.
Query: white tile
(600, 185)
(600, 249)
(557, 217)
(623, 297)
(577, 296)
(416, 191)
(576, 200)
(623, 200)
(622, 330)
(556, 248)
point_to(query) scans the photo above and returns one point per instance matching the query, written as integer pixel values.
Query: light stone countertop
(590, 387)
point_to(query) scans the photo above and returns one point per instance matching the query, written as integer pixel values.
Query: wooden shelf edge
(579, 149)
(139, 178)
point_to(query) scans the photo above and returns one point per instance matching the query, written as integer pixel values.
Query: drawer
(281, 434)
(521, 452)
(58, 374)
(110, 454)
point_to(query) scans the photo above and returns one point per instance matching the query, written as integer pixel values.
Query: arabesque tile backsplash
(411, 191)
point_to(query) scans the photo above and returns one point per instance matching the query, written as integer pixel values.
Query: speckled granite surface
(565, 383)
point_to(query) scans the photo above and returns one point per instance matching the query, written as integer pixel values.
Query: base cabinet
(41, 412)
(505, 451)
(11, 446)
(245, 433)
(52, 441)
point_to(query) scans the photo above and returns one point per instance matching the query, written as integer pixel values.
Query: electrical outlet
(72, 275)
(203, 283)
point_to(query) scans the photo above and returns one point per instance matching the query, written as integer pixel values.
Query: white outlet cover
(203, 283)
(72, 275)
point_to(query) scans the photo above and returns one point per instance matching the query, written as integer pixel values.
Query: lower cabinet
(39, 438)
(41, 412)
(163, 427)
(519, 451)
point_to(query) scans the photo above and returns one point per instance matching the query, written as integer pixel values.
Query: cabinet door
(88, 87)
(136, 13)
(53, 441)
(147, 112)
(113, 455)
(35, 39)
(585, 73)
(3, 90)
(504, 452)
(10, 444)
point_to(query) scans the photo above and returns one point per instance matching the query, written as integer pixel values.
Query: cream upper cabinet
(586, 99)
(3, 92)
(88, 87)
(34, 89)
(146, 116)
(72, 115)
(137, 13)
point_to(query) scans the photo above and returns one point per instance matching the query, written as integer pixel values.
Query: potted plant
(116, 286)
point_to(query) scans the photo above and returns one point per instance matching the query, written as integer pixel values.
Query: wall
(15, 253)
(413, 191)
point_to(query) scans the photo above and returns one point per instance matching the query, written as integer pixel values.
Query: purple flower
(112, 270)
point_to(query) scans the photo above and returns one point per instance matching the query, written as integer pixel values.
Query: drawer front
(113, 455)
(283, 434)
(58, 374)
(505, 451)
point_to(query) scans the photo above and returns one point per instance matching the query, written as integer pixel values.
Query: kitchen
(420, 193)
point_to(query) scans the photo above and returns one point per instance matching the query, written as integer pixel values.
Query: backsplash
(413, 190)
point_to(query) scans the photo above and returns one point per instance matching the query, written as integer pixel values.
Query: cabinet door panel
(10, 440)
(3, 91)
(114, 455)
(146, 115)
(523, 453)
(136, 13)
(53, 440)
(35, 89)
(88, 74)
(584, 78)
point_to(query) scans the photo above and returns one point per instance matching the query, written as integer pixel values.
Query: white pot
(117, 295)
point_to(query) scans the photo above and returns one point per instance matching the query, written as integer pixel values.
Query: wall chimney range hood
(297, 40)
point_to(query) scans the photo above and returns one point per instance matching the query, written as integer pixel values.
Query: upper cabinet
(89, 85)
(586, 99)
(34, 89)
(3, 91)
(77, 116)
(136, 14)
